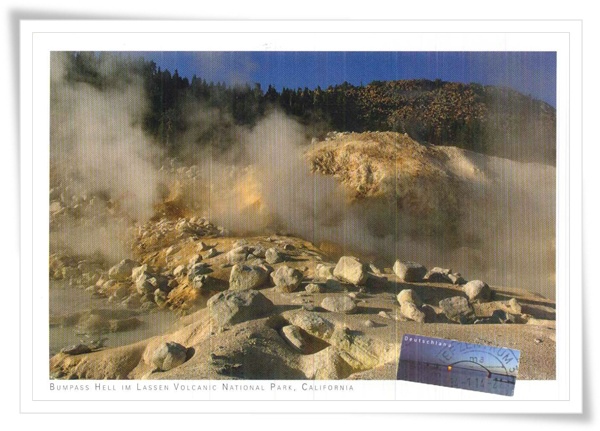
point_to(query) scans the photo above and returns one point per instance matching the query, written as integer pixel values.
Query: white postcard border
(38, 38)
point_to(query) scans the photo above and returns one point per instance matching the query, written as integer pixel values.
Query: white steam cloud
(98, 148)
(504, 214)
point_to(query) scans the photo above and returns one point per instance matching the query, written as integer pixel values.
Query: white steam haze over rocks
(493, 220)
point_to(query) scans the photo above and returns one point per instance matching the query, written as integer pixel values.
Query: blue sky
(532, 73)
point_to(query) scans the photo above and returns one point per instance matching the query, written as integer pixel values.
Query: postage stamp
(457, 364)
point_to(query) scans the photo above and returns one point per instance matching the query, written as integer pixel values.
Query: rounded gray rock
(286, 279)
(231, 307)
(350, 270)
(244, 277)
(272, 256)
(148, 283)
(237, 255)
(456, 307)
(409, 295)
(313, 288)
(259, 251)
(438, 275)
(169, 355)
(324, 271)
(409, 271)
(122, 270)
(339, 304)
(477, 290)
(199, 268)
(412, 312)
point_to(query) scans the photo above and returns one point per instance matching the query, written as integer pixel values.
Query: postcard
(295, 218)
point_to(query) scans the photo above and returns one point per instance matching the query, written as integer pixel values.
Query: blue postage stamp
(457, 364)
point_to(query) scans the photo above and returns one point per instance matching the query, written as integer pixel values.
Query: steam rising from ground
(98, 150)
(503, 217)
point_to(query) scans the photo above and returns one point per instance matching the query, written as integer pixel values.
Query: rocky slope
(280, 307)
(446, 206)
(492, 120)
(277, 308)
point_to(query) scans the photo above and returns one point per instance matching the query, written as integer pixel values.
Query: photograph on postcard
(266, 215)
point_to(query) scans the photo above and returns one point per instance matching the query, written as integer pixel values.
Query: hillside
(445, 204)
(181, 115)
(282, 306)
(492, 120)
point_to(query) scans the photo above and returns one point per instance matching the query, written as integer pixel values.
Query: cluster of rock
(152, 234)
(414, 272)
(351, 271)
(98, 321)
(457, 308)
(132, 285)
(76, 270)
(188, 264)
(71, 206)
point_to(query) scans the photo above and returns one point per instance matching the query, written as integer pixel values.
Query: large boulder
(477, 290)
(147, 283)
(231, 307)
(237, 255)
(412, 312)
(313, 323)
(324, 271)
(456, 308)
(409, 295)
(350, 270)
(438, 275)
(339, 304)
(293, 335)
(286, 279)
(122, 270)
(258, 251)
(409, 271)
(272, 256)
(329, 364)
(169, 355)
(456, 278)
(179, 271)
(199, 268)
(137, 271)
(244, 277)
(314, 288)
(205, 283)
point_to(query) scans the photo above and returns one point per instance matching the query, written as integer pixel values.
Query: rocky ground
(278, 306)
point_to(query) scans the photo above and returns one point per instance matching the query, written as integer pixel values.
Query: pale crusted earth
(348, 348)
(181, 262)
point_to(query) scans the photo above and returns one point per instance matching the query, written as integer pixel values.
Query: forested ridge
(488, 119)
